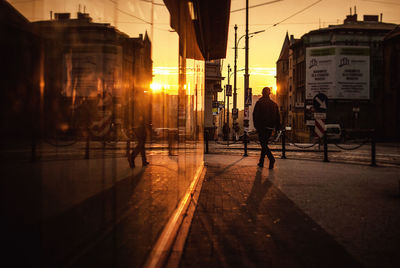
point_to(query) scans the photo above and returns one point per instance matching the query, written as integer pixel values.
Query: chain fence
(352, 148)
(282, 138)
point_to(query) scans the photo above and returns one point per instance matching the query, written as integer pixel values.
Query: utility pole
(227, 100)
(234, 116)
(246, 81)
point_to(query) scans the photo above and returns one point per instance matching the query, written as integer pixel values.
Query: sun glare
(156, 87)
(274, 89)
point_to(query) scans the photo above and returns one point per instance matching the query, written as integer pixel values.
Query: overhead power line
(156, 4)
(382, 2)
(133, 16)
(263, 4)
(298, 12)
(129, 14)
(21, 2)
(288, 23)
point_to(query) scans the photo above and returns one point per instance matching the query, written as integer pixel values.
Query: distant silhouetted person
(140, 133)
(266, 118)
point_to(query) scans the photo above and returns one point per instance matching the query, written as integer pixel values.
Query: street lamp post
(227, 101)
(246, 75)
(246, 80)
(234, 88)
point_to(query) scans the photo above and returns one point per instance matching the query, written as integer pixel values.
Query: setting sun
(274, 89)
(156, 87)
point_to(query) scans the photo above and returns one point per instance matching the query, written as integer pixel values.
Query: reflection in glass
(81, 94)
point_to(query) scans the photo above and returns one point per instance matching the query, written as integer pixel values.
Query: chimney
(51, 15)
(84, 16)
(352, 17)
(371, 18)
(62, 16)
(381, 16)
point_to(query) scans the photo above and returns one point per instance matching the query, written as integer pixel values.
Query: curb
(169, 246)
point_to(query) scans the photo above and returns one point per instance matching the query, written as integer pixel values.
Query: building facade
(359, 107)
(390, 99)
(21, 76)
(67, 182)
(92, 72)
(282, 80)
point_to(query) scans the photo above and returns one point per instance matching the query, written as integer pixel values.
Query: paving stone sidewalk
(243, 219)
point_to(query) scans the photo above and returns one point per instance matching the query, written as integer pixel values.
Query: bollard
(283, 144)
(87, 147)
(325, 148)
(245, 144)
(373, 149)
(206, 138)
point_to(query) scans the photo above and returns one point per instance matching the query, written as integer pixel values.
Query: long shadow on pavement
(245, 222)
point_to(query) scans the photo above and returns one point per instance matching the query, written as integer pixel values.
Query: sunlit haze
(134, 16)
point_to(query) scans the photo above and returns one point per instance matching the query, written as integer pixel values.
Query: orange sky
(264, 47)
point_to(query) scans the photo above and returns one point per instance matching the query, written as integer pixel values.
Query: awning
(202, 26)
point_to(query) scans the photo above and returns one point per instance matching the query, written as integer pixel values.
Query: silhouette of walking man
(266, 118)
(141, 135)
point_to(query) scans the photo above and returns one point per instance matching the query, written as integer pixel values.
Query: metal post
(373, 149)
(227, 104)
(283, 144)
(325, 148)
(246, 75)
(223, 121)
(227, 118)
(206, 138)
(234, 86)
(245, 144)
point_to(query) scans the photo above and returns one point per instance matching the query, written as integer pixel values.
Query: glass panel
(103, 130)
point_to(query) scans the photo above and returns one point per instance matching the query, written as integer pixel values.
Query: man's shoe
(145, 163)
(271, 164)
(260, 164)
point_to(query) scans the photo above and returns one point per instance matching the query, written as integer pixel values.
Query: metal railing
(283, 137)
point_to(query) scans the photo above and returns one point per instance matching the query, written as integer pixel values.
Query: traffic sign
(320, 102)
(235, 113)
(246, 113)
(320, 127)
(228, 90)
(319, 115)
(248, 96)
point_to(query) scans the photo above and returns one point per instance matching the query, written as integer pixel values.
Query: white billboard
(340, 72)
